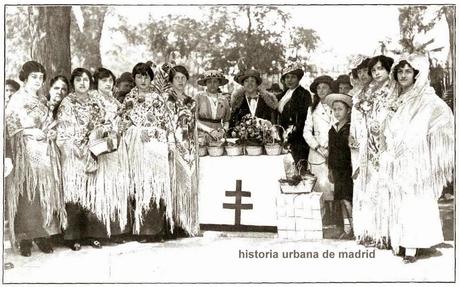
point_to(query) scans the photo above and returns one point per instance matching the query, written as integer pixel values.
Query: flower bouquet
(249, 131)
(272, 139)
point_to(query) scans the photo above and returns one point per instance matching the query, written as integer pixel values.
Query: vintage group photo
(189, 143)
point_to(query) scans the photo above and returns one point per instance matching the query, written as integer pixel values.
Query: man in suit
(292, 110)
(251, 99)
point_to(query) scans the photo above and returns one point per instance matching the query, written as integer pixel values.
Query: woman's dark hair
(316, 100)
(362, 65)
(55, 79)
(143, 69)
(31, 67)
(386, 62)
(177, 69)
(78, 72)
(102, 73)
(13, 84)
(401, 65)
(52, 82)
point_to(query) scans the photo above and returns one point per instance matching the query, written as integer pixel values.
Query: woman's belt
(210, 120)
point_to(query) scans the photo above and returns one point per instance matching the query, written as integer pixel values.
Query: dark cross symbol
(237, 206)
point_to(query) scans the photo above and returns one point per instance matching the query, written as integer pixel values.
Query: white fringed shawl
(108, 190)
(30, 176)
(420, 138)
(149, 161)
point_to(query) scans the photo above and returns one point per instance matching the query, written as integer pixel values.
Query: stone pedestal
(299, 216)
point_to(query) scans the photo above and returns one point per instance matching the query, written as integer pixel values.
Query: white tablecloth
(259, 175)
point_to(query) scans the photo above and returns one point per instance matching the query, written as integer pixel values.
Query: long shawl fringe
(108, 191)
(26, 180)
(149, 171)
(185, 193)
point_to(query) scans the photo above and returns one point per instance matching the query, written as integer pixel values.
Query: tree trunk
(248, 46)
(52, 41)
(449, 13)
(86, 37)
(92, 28)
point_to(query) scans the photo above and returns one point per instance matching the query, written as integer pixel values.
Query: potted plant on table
(233, 146)
(272, 139)
(250, 133)
(216, 145)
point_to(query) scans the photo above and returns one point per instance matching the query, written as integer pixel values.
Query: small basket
(306, 185)
(103, 145)
(273, 149)
(202, 151)
(234, 150)
(215, 150)
(254, 150)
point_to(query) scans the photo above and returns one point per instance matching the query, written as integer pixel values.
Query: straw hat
(212, 74)
(331, 98)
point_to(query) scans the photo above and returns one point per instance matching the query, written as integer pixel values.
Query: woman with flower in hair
(110, 187)
(419, 160)
(148, 132)
(371, 197)
(79, 118)
(34, 196)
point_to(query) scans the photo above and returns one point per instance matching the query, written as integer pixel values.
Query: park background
(323, 38)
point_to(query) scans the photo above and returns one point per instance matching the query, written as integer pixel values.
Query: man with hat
(293, 108)
(342, 84)
(251, 99)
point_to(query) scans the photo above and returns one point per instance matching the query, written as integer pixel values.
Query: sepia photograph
(239, 142)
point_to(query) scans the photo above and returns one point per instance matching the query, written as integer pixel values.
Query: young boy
(339, 161)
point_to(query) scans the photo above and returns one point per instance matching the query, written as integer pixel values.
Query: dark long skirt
(154, 220)
(29, 221)
(127, 229)
(82, 224)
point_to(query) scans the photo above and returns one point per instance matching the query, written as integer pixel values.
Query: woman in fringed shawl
(148, 131)
(79, 116)
(110, 187)
(35, 201)
(419, 159)
(370, 195)
(184, 151)
(59, 88)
